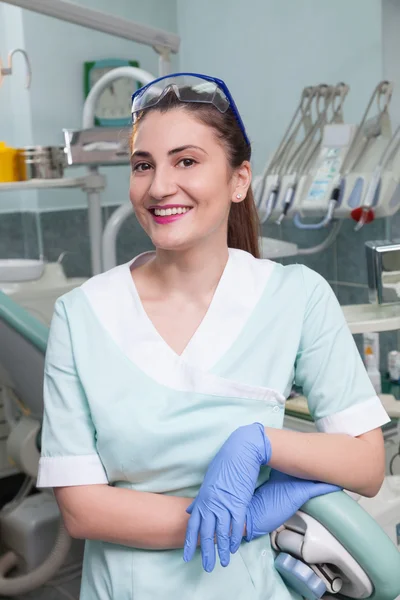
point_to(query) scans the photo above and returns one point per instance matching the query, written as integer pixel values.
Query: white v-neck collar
(115, 298)
(202, 331)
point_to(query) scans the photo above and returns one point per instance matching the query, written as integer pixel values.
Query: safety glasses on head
(188, 87)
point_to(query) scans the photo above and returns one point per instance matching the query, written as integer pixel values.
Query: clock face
(115, 101)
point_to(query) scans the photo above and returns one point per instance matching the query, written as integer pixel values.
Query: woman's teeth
(161, 212)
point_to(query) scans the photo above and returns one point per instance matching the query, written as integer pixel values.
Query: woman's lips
(170, 218)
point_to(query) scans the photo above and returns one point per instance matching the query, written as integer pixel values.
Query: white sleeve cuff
(356, 419)
(60, 471)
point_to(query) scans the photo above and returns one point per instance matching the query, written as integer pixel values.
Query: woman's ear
(242, 181)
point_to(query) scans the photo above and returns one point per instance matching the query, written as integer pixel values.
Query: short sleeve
(68, 442)
(329, 367)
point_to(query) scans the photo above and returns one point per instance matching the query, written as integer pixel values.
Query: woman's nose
(163, 183)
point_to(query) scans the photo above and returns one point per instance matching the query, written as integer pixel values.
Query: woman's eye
(187, 162)
(140, 167)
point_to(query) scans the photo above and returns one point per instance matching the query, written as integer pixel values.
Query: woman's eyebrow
(187, 147)
(145, 154)
(141, 153)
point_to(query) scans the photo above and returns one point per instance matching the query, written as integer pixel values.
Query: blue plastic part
(298, 576)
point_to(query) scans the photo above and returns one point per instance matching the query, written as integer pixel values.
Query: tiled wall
(342, 264)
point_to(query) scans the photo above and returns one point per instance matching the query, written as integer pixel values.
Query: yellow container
(9, 168)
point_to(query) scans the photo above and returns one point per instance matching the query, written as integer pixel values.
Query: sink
(20, 269)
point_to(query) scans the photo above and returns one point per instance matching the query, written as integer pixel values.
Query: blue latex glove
(228, 487)
(278, 499)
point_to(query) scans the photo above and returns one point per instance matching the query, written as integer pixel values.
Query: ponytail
(244, 226)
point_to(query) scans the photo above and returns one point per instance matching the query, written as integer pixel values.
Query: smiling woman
(172, 371)
(212, 143)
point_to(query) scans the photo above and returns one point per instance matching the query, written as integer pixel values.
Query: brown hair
(243, 222)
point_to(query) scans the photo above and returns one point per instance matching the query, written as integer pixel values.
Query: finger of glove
(207, 533)
(223, 539)
(190, 507)
(192, 535)
(237, 533)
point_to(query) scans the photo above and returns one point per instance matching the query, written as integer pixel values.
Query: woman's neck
(192, 272)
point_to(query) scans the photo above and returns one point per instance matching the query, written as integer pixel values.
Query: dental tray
(100, 146)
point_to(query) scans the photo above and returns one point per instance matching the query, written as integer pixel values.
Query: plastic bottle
(8, 164)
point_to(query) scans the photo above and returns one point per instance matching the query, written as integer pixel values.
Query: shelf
(36, 184)
(364, 318)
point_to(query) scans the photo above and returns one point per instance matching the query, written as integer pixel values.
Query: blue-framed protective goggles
(188, 87)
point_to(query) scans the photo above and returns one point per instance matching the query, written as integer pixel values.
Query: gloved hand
(228, 487)
(278, 499)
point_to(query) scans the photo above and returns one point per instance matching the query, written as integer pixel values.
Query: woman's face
(181, 183)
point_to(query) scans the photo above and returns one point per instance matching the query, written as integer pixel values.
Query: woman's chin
(171, 242)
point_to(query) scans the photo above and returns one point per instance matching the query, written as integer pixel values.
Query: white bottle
(371, 346)
(373, 372)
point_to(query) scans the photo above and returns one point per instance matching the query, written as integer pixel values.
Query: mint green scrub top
(123, 409)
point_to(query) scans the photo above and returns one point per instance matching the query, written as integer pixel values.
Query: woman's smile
(169, 213)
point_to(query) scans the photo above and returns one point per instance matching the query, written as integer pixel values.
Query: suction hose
(14, 586)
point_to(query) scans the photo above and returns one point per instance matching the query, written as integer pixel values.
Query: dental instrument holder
(322, 186)
(266, 191)
(356, 175)
(293, 181)
(383, 271)
(364, 212)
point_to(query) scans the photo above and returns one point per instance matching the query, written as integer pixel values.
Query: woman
(166, 377)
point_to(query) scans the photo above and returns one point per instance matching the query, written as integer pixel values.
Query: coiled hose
(14, 586)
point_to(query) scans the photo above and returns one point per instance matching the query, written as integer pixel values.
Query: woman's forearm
(356, 464)
(123, 516)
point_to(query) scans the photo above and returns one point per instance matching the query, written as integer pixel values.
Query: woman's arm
(123, 516)
(354, 463)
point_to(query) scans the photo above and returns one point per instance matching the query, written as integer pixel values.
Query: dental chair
(331, 547)
(34, 543)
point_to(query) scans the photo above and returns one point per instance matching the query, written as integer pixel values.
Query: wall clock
(113, 107)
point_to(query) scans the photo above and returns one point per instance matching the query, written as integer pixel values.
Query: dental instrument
(373, 189)
(335, 140)
(304, 153)
(275, 166)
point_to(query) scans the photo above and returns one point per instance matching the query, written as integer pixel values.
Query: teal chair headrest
(22, 321)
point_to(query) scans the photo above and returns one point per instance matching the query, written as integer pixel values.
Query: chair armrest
(363, 538)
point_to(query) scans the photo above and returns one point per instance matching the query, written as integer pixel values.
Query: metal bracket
(8, 70)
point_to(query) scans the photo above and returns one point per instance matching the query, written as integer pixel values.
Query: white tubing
(325, 244)
(14, 586)
(95, 220)
(110, 234)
